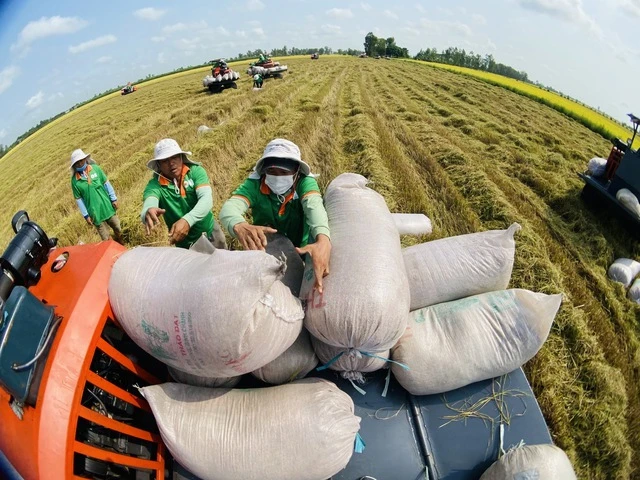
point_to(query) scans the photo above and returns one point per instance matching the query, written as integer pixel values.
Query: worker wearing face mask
(283, 197)
(94, 195)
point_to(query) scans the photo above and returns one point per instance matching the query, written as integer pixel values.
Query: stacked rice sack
(211, 316)
(623, 271)
(363, 309)
(464, 326)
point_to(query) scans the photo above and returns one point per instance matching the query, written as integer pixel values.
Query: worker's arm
(110, 191)
(202, 208)
(320, 249)
(232, 213)
(315, 215)
(82, 207)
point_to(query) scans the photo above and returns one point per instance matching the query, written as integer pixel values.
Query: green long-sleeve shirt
(301, 216)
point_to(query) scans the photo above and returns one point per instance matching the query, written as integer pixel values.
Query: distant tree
(370, 42)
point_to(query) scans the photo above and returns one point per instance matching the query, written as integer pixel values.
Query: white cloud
(180, 27)
(149, 13)
(568, 10)
(3, 133)
(631, 6)
(365, 6)
(157, 39)
(479, 19)
(55, 96)
(445, 11)
(442, 26)
(241, 34)
(492, 46)
(7, 75)
(420, 8)
(341, 13)
(254, 23)
(35, 101)
(46, 27)
(258, 31)
(412, 31)
(391, 14)
(254, 5)
(161, 58)
(333, 29)
(96, 42)
(222, 31)
(104, 59)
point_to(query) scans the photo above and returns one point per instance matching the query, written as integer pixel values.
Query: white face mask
(279, 184)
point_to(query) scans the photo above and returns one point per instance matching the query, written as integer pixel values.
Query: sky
(54, 54)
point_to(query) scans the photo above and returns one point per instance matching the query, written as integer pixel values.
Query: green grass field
(470, 155)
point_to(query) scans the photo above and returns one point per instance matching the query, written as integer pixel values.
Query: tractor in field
(70, 405)
(618, 185)
(315, 56)
(128, 88)
(222, 76)
(266, 67)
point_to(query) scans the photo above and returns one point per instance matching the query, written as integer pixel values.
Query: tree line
(385, 47)
(459, 57)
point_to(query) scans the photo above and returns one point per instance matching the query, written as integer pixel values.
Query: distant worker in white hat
(94, 195)
(180, 191)
(283, 197)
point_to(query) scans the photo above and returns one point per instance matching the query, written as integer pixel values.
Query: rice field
(470, 155)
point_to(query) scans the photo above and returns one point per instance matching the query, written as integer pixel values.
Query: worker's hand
(252, 237)
(179, 231)
(115, 204)
(89, 221)
(320, 251)
(152, 218)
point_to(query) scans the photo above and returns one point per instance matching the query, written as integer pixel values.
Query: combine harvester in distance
(221, 77)
(616, 181)
(266, 67)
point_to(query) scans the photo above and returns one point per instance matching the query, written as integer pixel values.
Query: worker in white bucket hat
(94, 195)
(283, 197)
(179, 191)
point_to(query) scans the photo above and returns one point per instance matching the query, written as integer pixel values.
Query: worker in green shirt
(283, 197)
(179, 190)
(94, 195)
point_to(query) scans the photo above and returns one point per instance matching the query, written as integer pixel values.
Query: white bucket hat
(281, 148)
(165, 148)
(78, 155)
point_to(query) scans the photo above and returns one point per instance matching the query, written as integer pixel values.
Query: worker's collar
(84, 173)
(164, 181)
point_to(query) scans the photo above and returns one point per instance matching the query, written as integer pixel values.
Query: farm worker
(94, 195)
(257, 80)
(262, 58)
(283, 197)
(180, 191)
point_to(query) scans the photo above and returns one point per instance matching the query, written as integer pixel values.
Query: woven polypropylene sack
(216, 315)
(624, 270)
(459, 267)
(629, 200)
(597, 166)
(200, 381)
(295, 363)
(532, 462)
(412, 223)
(303, 430)
(349, 361)
(365, 300)
(634, 291)
(453, 344)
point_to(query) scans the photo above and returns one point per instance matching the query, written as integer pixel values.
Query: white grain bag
(629, 200)
(281, 247)
(412, 224)
(634, 291)
(215, 315)
(300, 431)
(624, 270)
(597, 166)
(459, 267)
(199, 381)
(350, 362)
(366, 297)
(454, 344)
(532, 462)
(295, 363)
